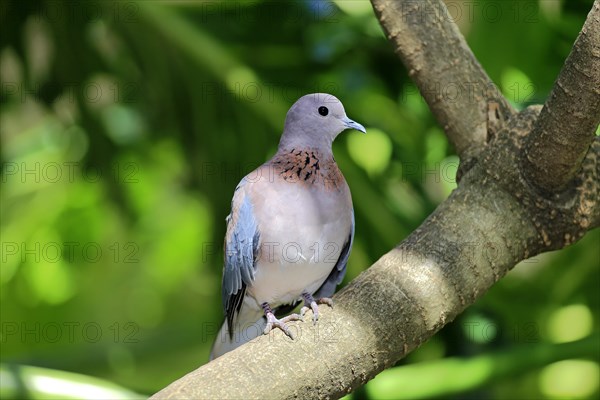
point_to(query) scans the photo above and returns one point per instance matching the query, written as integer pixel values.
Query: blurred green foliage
(125, 127)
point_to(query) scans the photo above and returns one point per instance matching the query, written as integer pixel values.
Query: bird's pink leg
(273, 322)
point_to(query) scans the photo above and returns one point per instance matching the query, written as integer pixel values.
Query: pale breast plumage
(315, 222)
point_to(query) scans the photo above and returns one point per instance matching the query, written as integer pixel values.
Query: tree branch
(415, 289)
(490, 222)
(439, 60)
(571, 115)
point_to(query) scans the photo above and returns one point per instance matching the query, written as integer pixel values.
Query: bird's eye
(323, 111)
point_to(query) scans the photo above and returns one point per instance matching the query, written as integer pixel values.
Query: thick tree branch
(490, 222)
(438, 59)
(571, 115)
(413, 290)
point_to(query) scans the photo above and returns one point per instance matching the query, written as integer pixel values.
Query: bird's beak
(353, 125)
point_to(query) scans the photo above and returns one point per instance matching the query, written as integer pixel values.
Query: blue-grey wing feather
(336, 275)
(241, 247)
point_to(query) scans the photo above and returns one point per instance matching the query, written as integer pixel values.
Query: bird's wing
(336, 275)
(241, 249)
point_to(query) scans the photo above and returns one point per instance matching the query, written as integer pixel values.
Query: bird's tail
(248, 325)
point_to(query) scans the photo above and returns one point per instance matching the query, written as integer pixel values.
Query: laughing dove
(291, 227)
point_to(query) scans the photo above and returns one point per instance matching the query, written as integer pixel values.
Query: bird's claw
(325, 300)
(273, 322)
(314, 305)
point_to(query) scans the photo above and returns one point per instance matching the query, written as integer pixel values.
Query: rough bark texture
(566, 127)
(438, 59)
(494, 219)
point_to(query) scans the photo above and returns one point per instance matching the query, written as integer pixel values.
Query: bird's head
(315, 120)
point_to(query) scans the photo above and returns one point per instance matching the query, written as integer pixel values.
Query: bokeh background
(125, 127)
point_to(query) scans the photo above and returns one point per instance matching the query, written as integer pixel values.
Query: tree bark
(566, 126)
(494, 219)
(451, 80)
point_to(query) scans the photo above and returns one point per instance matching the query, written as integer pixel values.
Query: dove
(290, 230)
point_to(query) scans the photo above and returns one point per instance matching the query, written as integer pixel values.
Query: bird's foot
(311, 304)
(273, 322)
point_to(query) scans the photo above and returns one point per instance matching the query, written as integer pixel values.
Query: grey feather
(336, 275)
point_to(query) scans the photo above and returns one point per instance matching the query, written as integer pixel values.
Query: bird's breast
(303, 226)
(308, 168)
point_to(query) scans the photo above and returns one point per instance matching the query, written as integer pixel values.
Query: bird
(290, 230)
